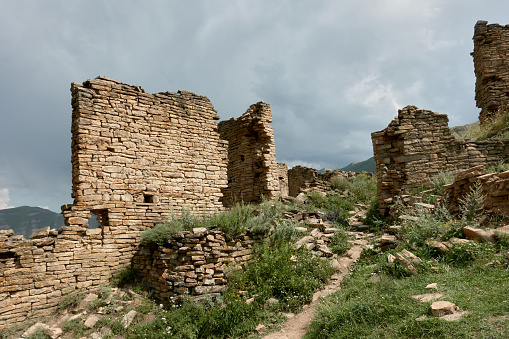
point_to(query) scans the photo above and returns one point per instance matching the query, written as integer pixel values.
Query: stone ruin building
(491, 66)
(252, 169)
(418, 144)
(136, 157)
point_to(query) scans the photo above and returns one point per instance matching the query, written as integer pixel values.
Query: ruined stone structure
(136, 157)
(417, 144)
(252, 169)
(491, 65)
(304, 179)
(495, 187)
(192, 263)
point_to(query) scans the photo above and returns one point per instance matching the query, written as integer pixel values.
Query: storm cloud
(333, 71)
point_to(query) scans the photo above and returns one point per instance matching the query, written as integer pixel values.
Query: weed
(440, 179)
(472, 202)
(495, 127)
(39, 334)
(71, 299)
(501, 166)
(339, 242)
(123, 276)
(75, 326)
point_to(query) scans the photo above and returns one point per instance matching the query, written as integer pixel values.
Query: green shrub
(39, 334)
(340, 183)
(472, 202)
(71, 299)
(440, 179)
(499, 122)
(284, 232)
(501, 166)
(374, 219)
(284, 273)
(339, 242)
(123, 277)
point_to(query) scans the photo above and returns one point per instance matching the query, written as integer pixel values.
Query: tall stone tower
(491, 66)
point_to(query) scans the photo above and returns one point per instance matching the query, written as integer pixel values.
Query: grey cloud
(333, 71)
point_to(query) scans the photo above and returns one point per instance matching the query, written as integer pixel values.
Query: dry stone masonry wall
(495, 188)
(304, 179)
(491, 65)
(252, 169)
(192, 263)
(418, 144)
(135, 158)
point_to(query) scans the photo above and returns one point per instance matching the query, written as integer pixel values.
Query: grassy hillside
(468, 131)
(24, 220)
(366, 165)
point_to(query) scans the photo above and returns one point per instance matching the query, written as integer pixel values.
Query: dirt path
(296, 326)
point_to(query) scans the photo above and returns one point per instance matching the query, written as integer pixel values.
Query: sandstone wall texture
(495, 187)
(418, 144)
(491, 65)
(252, 169)
(192, 263)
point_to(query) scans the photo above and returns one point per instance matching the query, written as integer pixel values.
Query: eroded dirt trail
(296, 326)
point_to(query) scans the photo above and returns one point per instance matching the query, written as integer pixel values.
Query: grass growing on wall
(237, 220)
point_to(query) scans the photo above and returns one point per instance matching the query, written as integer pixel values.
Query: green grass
(239, 219)
(368, 308)
(493, 128)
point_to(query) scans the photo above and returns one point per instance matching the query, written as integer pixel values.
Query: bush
(501, 166)
(71, 299)
(498, 123)
(123, 277)
(440, 179)
(339, 242)
(284, 273)
(472, 202)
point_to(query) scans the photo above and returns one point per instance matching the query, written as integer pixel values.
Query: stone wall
(491, 65)
(418, 144)
(135, 156)
(192, 263)
(495, 187)
(303, 179)
(282, 171)
(252, 168)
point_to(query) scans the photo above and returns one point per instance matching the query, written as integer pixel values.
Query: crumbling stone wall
(495, 188)
(491, 65)
(418, 144)
(135, 156)
(193, 263)
(252, 168)
(282, 170)
(303, 179)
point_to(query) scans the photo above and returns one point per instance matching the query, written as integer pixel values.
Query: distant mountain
(366, 165)
(467, 131)
(24, 220)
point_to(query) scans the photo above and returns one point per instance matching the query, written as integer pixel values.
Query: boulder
(441, 308)
(478, 234)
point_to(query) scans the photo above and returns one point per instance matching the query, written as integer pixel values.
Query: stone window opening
(99, 219)
(242, 158)
(149, 199)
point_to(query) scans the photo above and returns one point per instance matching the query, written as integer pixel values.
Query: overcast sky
(333, 71)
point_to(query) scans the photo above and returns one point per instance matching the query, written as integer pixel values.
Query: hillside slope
(24, 220)
(366, 165)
